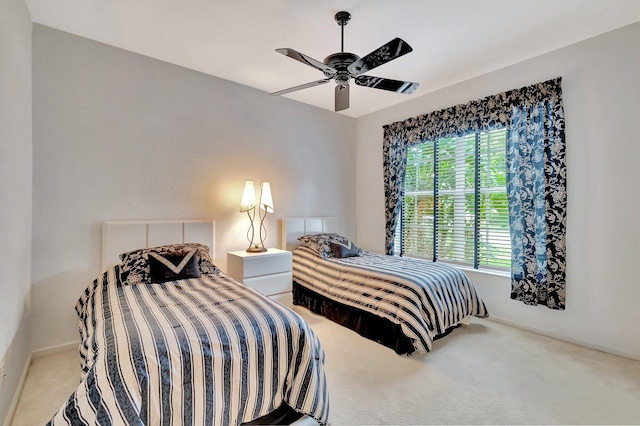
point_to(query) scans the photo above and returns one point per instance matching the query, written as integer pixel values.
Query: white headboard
(121, 236)
(295, 227)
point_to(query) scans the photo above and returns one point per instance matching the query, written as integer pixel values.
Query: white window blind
(455, 205)
(494, 241)
(417, 210)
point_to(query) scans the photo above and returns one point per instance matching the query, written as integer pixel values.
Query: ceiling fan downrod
(340, 61)
(342, 18)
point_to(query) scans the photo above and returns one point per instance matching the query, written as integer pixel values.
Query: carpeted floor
(487, 373)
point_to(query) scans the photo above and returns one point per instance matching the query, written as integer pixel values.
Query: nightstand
(268, 272)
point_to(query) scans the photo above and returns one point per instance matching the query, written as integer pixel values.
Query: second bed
(402, 303)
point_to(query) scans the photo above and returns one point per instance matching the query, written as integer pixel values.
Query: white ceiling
(452, 40)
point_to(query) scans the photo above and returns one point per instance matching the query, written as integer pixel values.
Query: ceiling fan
(344, 66)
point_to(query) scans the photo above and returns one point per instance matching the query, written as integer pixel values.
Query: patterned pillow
(135, 264)
(321, 243)
(341, 251)
(173, 266)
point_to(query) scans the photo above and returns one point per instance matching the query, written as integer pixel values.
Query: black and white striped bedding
(424, 298)
(201, 351)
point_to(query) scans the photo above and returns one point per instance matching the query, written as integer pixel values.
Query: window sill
(491, 272)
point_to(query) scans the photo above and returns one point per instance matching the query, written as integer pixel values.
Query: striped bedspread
(205, 351)
(424, 298)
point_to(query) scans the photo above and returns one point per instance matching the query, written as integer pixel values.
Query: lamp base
(256, 249)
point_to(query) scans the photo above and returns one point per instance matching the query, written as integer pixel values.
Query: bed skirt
(283, 415)
(366, 324)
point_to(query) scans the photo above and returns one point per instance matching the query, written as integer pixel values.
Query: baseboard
(16, 395)
(55, 349)
(23, 376)
(568, 339)
(17, 361)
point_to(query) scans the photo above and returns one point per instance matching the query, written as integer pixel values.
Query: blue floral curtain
(536, 190)
(535, 109)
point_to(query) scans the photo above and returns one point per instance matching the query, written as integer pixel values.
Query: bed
(402, 303)
(167, 338)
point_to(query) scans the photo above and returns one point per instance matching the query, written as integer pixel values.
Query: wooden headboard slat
(295, 227)
(121, 236)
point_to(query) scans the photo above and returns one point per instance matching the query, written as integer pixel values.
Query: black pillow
(173, 266)
(134, 268)
(345, 250)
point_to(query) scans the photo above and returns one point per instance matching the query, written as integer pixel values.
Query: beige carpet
(487, 373)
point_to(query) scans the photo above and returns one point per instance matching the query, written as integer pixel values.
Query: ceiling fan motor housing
(340, 62)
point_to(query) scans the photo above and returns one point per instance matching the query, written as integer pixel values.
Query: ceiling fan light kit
(344, 66)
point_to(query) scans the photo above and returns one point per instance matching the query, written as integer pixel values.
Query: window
(455, 201)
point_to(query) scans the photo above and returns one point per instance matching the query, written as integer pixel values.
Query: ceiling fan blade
(301, 57)
(300, 87)
(390, 51)
(342, 97)
(397, 86)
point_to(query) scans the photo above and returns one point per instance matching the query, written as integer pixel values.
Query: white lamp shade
(248, 197)
(266, 201)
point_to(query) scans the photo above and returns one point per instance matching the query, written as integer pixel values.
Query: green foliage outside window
(440, 201)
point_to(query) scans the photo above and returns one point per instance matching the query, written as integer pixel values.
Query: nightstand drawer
(265, 265)
(271, 284)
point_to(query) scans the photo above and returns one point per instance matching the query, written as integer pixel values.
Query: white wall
(601, 88)
(15, 193)
(121, 136)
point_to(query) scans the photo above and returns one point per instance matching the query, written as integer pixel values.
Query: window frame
(435, 193)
